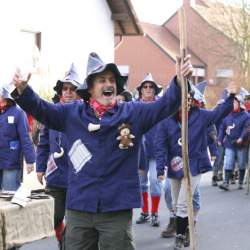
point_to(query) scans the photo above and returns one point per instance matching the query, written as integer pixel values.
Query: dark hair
(127, 96)
(10, 102)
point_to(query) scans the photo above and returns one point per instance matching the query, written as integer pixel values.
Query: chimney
(186, 3)
(189, 3)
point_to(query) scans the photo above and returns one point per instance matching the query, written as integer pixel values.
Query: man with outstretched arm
(103, 141)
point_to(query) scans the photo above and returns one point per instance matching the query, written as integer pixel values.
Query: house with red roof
(214, 54)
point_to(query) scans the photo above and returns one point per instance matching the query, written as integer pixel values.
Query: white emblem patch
(228, 130)
(51, 166)
(93, 127)
(11, 119)
(176, 163)
(79, 155)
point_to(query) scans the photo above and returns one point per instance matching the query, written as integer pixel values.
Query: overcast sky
(155, 11)
(158, 11)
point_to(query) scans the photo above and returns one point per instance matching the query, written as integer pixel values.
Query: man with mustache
(103, 185)
(52, 156)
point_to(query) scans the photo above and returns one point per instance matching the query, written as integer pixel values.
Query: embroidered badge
(176, 163)
(79, 155)
(125, 137)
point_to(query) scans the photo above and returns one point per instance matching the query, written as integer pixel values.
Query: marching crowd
(102, 153)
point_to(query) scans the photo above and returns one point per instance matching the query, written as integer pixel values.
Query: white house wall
(70, 30)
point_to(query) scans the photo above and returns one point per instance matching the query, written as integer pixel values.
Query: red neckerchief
(30, 122)
(99, 108)
(196, 103)
(236, 110)
(247, 106)
(61, 99)
(3, 107)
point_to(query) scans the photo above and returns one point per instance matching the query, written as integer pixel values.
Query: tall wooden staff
(248, 176)
(184, 127)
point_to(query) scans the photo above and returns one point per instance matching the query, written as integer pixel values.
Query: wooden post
(248, 178)
(184, 127)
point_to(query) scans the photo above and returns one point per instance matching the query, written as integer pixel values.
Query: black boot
(186, 241)
(214, 181)
(236, 173)
(225, 185)
(233, 178)
(179, 242)
(241, 178)
(181, 227)
(220, 176)
(170, 230)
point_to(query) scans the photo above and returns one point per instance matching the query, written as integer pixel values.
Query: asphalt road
(223, 223)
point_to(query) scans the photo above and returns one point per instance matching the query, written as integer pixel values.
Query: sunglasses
(71, 88)
(148, 86)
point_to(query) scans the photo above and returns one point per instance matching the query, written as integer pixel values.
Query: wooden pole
(248, 177)
(184, 127)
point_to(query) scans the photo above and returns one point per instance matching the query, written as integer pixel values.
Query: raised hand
(233, 88)
(185, 69)
(19, 82)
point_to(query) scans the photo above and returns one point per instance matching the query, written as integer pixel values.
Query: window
(224, 73)
(200, 72)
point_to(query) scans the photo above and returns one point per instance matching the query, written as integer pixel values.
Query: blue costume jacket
(233, 127)
(102, 177)
(55, 169)
(168, 141)
(15, 139)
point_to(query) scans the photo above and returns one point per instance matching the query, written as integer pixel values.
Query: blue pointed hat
(201, 86)
(71, 76)
(149, 78)
(245, 93)
(6, 90)
(196, 94)
(96, 66)
(224, 94)
(241, 97)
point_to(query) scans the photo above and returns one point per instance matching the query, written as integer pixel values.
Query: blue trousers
(10, 179)
(232, 154)
(150, 176)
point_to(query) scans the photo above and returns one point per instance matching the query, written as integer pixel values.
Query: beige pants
(179, 194)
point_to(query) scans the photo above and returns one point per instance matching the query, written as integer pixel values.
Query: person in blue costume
(148, 91)
(232, 134)
(103, 140)
(198, 101)
(52, 154)
(14, 142)
(169, 134)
